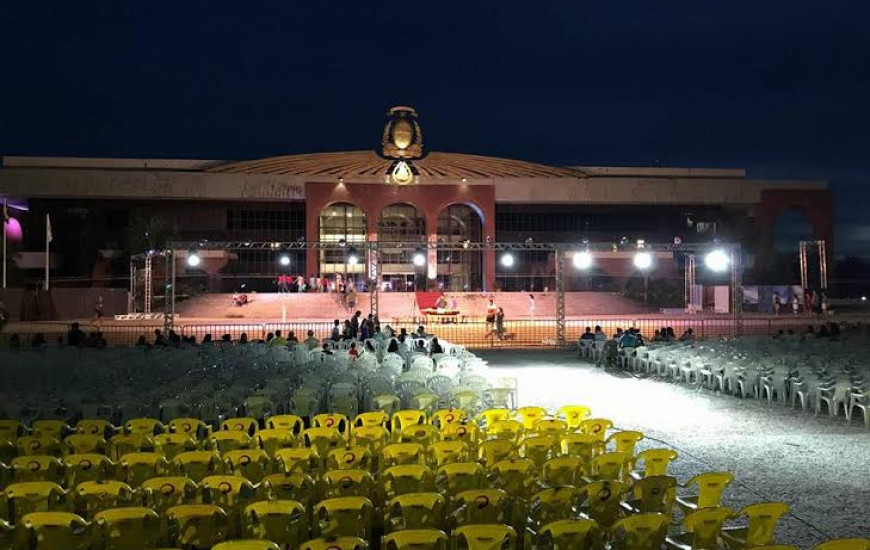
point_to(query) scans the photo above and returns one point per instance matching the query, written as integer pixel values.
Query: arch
(401, 230)
(402, 222)
(471, 204)
(460, 270)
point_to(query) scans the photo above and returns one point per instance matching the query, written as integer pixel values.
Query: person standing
(532, 306)
(795, 304)
(491, 310)
(99, 308)
(808, 301)
(351, 299)
(499, 324)
(777, 303)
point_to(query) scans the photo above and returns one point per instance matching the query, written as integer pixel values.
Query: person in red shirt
(352, 352)
(282, 283)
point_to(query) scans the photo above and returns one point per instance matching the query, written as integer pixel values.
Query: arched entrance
(344, 224)
(460, 270)
(401, 235)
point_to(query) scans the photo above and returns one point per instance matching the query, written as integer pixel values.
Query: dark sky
(779, 87)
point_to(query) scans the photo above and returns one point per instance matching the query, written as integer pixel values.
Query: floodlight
(717, 260)
(419, 258)
(352, 258)
(507, 259)
(193, 258)
(582, 260)
(284, 259)
(643, 260)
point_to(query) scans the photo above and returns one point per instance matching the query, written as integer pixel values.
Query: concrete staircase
(403, 305)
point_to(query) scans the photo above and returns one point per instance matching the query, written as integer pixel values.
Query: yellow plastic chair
(33, 496)
(87, 467)
(553, 504)
(338, 543)
(445, 417)
(612, 466)
(272, 439)
(530, 416)
(652, 495)
(574, 415)
(563, 470)
(516, 477)
(510, 430)
(130, 528)
(446, 452)
(243, 424)
(303, 459)
(491, 416)
(641, 531)
(281, 521)
(193, 427)
(842, 544)
(539, 449)
(57, 429)
(11, 429)
(576, 534)
(344, 517)
(134, 468)
(83, 444)
(710, 486)
(655, 462)
(37, 468)
(171, 444)
(228, 440)
(347, 483)
(398, 454)
(8, 449)
(484, 537)
(232, 494)
(162, 493)
(352, 457)
(481, 507)
(197, 465)
(286, 422)
(252, 544)
(375, 438)
(583, 446)
(97, 426)
(415, 511)
(405, 479)
(332, 420)
(296, 486)
(553, 427)
(624, 441)
(404, 418)
(761, 522)
(323, 439)
(252, 465)
(452, 479)
(123, 444)
(30, 445)
(600, 500)
(424, 434)
(371, 419)
(784, 547)
(196, 525)
(467, 433)
(416, 539)
(53, 531)
(496, 450)
(703, 528)
(92, 497)
(597, 427)
(143, 426)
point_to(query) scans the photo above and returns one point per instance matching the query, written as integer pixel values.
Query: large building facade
(400, 196)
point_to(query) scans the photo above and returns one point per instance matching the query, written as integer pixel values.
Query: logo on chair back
(225, 487)
(481, 502)
(95, 429)
(240, 427)
(349, 458)
(85, 464)
(244, 460)
(329, 422)
(34, 466)
(35, 444)
(167, 489)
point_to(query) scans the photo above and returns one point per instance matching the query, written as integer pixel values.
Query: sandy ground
(821, 466)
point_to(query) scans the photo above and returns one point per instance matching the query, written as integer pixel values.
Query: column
(489, 253)
(312, 235)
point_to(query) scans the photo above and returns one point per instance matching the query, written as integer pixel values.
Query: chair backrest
(281, 521)
(843, 544)
(656, 461)
(117, 527)
(574, 415)
(347, 483)
(415, 511)
(625, 441)
(597, 427)
(577, 534)
(252, 544)
(56, 530)
(711, 485)
(763, 519)
(417, 539)
(642, 531)
(197, 525)
(484, 537)
(654, 494)
(705, 524)
(601, 501)
(162, 493)
(290, 422)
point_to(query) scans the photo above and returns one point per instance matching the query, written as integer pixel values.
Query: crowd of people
(814, 302)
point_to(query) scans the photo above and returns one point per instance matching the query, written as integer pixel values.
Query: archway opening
(401, 235)
(460, 270)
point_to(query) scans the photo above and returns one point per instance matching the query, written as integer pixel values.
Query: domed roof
(367, 164)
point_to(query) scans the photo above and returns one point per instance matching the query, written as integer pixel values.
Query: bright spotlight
(193, 259)
(582, 260)
(643, 260)
(284, 259)
(717, 260)
(507, 259)
(419, 259)
(352, 258)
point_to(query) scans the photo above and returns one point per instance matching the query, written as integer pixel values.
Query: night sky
(781, 88)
